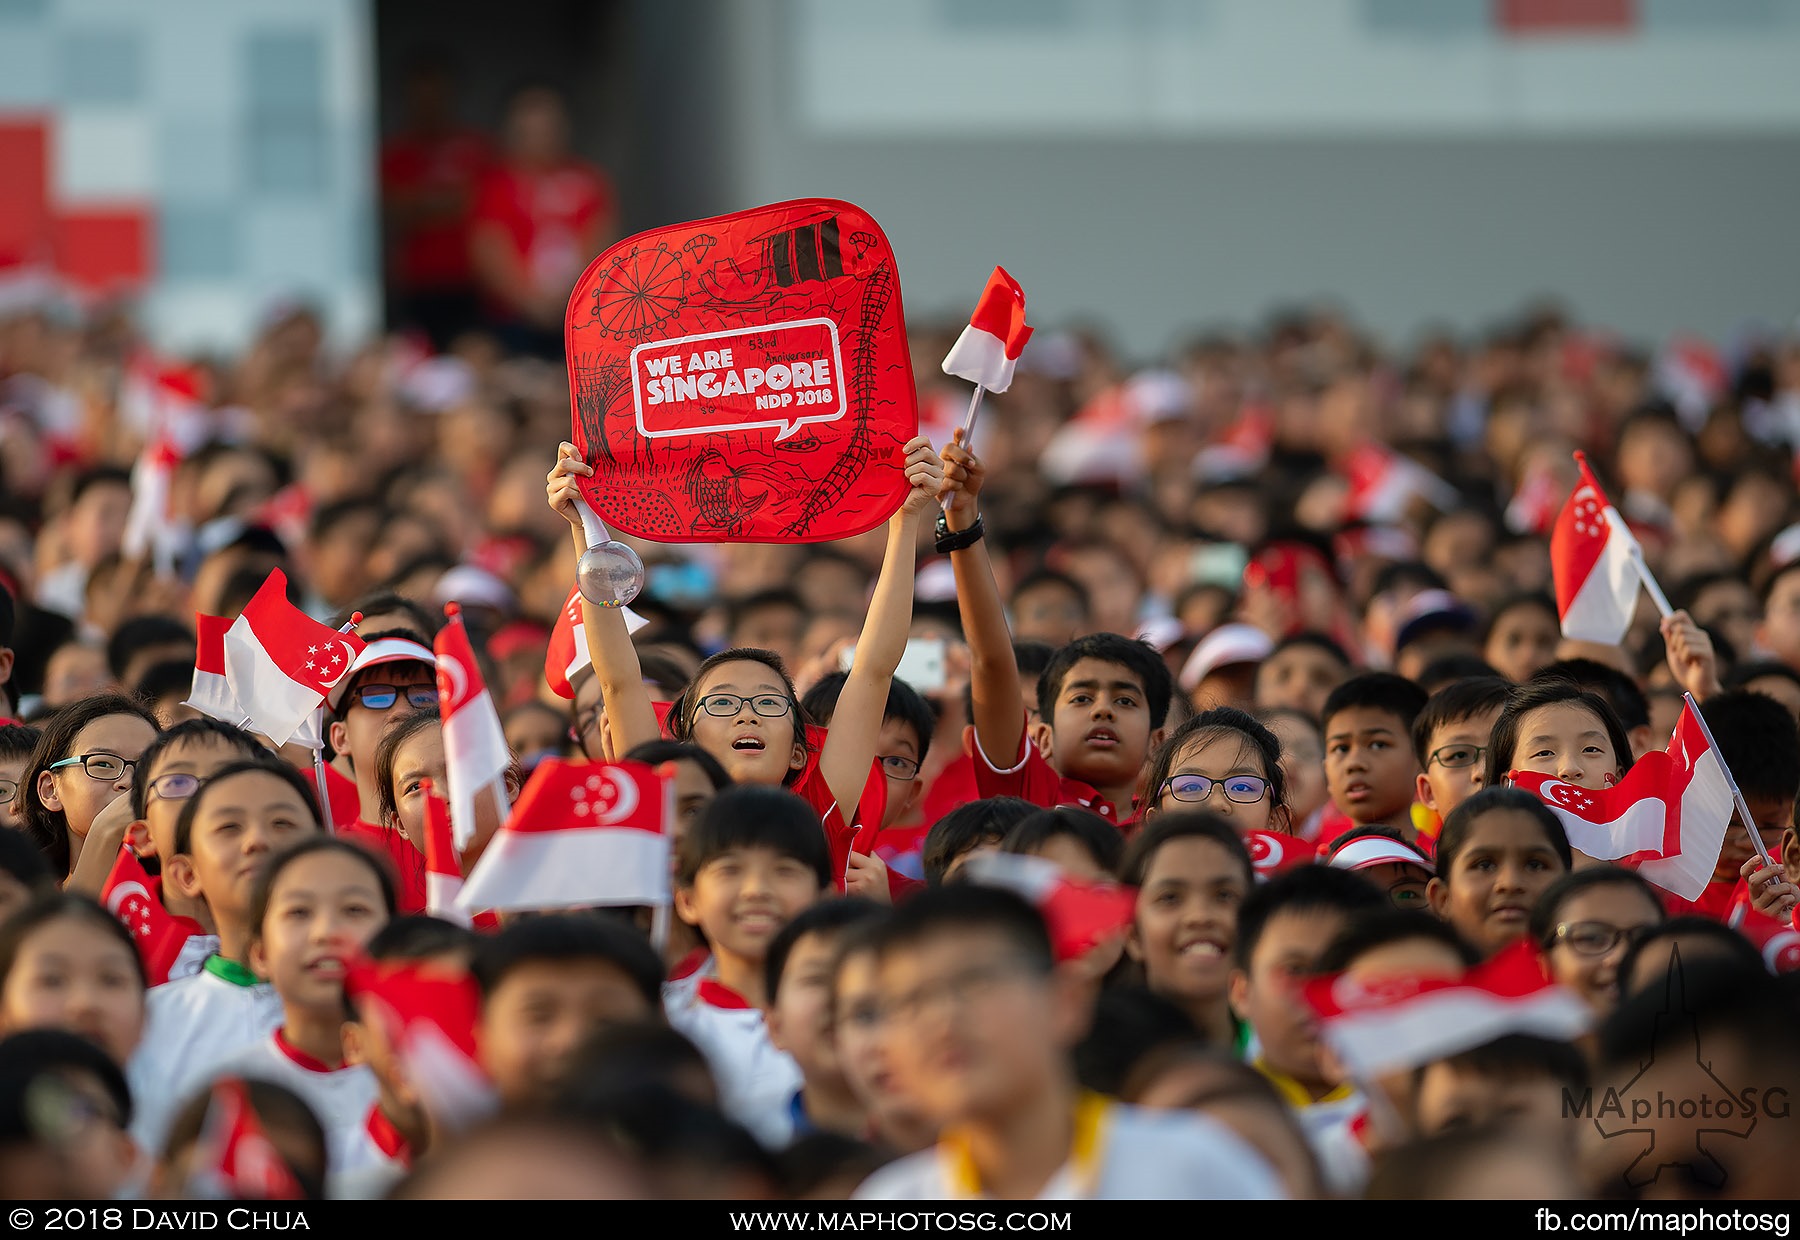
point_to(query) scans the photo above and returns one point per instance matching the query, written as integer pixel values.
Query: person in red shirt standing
(541, 217)
(430, 173)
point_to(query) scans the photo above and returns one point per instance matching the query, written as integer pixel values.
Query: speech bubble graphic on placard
(744, 378)
(785, 375)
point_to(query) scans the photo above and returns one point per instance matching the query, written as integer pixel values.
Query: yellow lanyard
(1091, 1112)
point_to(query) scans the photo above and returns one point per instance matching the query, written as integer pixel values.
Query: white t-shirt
(378, 1159)
(191, 1025)
(192, 956)
(1144, 1155)
(756, 1081)
(340, 1098)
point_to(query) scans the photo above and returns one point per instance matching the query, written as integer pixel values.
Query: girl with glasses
(741, 706)
(1224, 762)
(83, 763)
(1585, 921)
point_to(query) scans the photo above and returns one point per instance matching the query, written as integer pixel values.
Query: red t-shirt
(1033, 779)
(434, 253)
(1714, 902)
(340, 789)
(547, 217)
(408, 862)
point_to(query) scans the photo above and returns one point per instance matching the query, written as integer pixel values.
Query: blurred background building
(1150, 165)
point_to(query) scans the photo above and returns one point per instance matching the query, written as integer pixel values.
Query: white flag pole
(1643, 570)
(1743, 806)
(968, 429)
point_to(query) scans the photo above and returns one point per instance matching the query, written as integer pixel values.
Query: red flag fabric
(582, 834)
(1778, 941)
(429, 1014)
(1272, 852)
(567, 655)
(158, 933)
(280, 662)
(744, 377)
(1397, 1023)
(989, 347)
(1080, 915)
(234, 1159)
(475, 752)
(443, 872)
(1593, 562)
(211, 693)
(1667, 818)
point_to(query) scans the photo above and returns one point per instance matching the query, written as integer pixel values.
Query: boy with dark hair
(394, 676)
(906, 728)
(981, 1028)
(145, 640)
(1450, 740)
(1370, 768)
(17, 740)
(1102, 701)
(798, 971)
(549, 981)
(751, 863)
(1284, 926)
(170, 771)
(976, 827)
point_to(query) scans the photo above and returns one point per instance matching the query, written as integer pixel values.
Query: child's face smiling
(744, 896)
(1568, 741)
(1503, 868)
(1369, 764)
(1186, 922)
(1101, 732)
(754, 748)
(324, 908)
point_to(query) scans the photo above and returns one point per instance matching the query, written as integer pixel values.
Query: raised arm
(629, 715)
(856, 723)
(999, 717)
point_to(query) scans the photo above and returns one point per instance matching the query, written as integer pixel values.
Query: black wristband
(948, 542)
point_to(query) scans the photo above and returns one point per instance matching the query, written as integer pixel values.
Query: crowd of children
(1248, 651)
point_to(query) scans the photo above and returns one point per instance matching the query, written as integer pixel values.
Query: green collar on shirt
(231, 971)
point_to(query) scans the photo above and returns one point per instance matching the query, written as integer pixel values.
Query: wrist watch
(948, 542)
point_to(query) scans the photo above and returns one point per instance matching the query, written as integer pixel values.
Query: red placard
(744, 378)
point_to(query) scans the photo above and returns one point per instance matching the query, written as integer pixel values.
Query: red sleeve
(840, 834)
(1030, 777)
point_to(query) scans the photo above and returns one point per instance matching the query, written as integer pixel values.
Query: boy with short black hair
(981, 1030)
(1450, 739)
(752, 862)
(798, 969)
(1284, 927)
(1369, 764)
(549, 981)
(968, 829)
(1102, 701)
(905, 740)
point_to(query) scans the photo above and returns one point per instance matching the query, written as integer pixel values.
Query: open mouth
(327, 967)
(748, 744)
(1103, 738)
(1357, 792)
